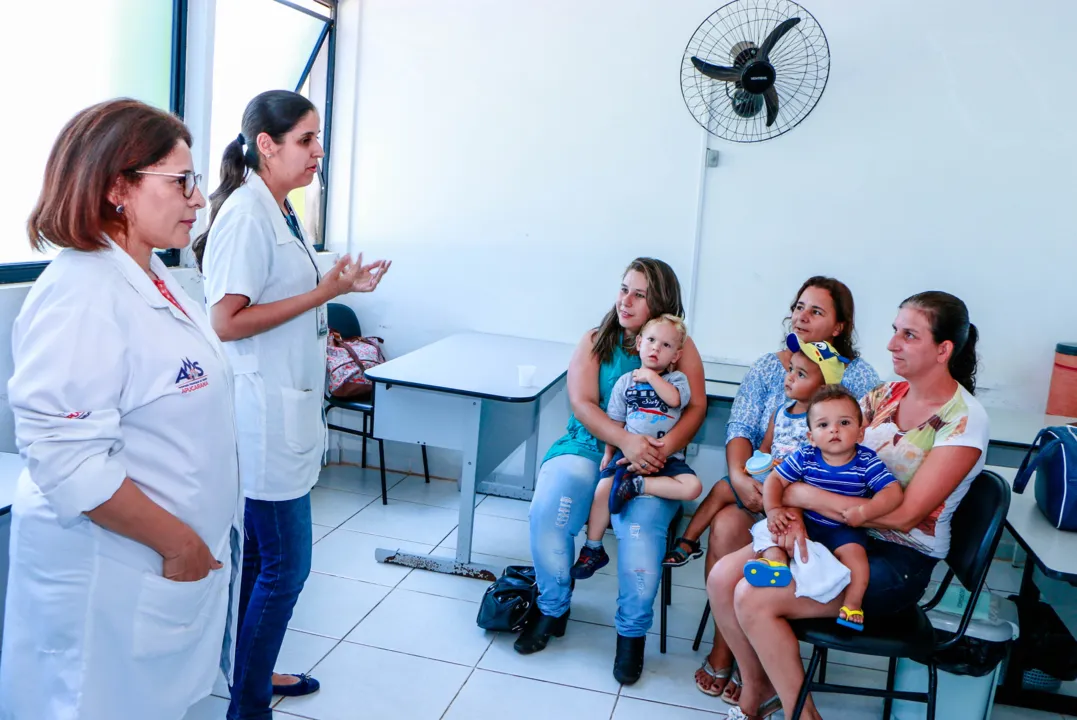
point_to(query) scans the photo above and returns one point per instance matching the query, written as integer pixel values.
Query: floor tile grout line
(474, 668)
(409, 654)
(548, 682)
(457, 694)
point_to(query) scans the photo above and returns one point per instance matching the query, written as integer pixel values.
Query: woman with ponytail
(932, 434)
(266, 299)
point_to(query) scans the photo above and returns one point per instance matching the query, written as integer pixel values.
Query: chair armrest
(939, 593)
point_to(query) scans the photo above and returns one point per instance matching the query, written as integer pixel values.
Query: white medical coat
(112, 381)
(280, 373)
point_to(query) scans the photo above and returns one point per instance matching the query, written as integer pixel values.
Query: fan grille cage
(801, 60)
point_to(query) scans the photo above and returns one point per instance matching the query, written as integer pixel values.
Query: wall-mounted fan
(754, 69)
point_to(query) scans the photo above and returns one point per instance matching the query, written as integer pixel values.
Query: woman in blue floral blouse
(823, 310)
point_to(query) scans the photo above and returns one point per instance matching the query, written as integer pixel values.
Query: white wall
(936, 159)
(506, 168)
(512, 157)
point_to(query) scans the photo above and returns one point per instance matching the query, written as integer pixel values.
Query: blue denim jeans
(564, 490)
(276, 563)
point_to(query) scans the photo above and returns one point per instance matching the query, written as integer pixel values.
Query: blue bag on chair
(1055, 451)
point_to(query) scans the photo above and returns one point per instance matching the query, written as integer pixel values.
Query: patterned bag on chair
(347, 360)
(1055, 462)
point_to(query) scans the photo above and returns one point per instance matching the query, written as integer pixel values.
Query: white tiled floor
(389, 642)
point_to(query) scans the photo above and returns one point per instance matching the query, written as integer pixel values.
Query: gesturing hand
(347, 277)
(367, 277)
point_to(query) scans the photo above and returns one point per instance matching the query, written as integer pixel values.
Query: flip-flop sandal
(730, 687)
(845, 621)
(765, 710)
(679, 555)
(722, 674)
(767, 573)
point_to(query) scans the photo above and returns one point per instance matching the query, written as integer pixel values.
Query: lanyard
(293, 226)
(321, 316)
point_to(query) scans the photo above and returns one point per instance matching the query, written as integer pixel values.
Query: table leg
(531, 459)
(470, 431)
(1011, 692)
(469, 425)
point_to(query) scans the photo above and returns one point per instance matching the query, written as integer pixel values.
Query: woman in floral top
(822, 310)
(932, 434)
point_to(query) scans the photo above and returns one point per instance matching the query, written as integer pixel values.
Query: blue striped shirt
(864, 475)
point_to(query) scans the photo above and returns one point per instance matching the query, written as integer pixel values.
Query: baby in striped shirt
(837, 463)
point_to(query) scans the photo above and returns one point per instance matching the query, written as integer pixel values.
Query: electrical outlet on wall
(692, 450)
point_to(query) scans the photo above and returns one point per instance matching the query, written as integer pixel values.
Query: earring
(119, 209)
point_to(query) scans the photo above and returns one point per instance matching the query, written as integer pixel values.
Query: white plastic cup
(527, 375)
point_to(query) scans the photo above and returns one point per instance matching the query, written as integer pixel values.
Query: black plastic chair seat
(907, 634)
(365, 406)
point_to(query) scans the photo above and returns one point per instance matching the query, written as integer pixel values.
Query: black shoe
(628, 665)
(622, 490)
(305, 686)
(538, 632)
(591, 561)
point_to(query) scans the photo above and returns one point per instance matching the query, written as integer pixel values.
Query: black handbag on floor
(509, 601)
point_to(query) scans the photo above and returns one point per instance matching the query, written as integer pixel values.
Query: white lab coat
(280, 373)
(112, 381)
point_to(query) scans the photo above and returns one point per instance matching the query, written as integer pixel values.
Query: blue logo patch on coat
(191, 376)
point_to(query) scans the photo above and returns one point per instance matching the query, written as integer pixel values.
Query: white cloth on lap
(821, 578)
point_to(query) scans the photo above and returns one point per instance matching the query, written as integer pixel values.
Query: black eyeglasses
(190, 179)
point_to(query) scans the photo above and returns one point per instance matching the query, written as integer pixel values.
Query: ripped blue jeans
(564, 490)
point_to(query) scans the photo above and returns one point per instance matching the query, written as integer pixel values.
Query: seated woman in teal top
(569, 474)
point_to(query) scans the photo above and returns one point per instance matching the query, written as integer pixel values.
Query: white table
(1009, 428)
(463, 393)
(724, 372)
(1054, 552)
(10, 468)
(1018, 428)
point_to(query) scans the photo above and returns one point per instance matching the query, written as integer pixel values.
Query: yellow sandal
(847, 621)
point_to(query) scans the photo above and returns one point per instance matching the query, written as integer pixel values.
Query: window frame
(328, 35)
(30, 271)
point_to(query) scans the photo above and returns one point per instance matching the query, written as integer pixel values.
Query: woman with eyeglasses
(125, 535)
(267, 301)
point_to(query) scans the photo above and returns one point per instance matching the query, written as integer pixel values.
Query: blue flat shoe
(305, 686)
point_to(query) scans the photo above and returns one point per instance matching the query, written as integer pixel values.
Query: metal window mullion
(313, 57)
(305, 11)
(177, 95)
(330, 80)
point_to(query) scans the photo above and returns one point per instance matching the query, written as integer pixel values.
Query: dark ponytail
(274, 112)
(949, 318)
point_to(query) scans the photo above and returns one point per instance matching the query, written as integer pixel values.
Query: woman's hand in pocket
(190, 561)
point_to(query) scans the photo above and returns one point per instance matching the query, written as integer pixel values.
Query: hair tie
(241, 140)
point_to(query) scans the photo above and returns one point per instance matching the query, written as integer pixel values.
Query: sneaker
(622, 490)
(590, 562)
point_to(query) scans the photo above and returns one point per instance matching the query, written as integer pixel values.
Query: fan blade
(716, 72)
(775, 35)
(770, 97)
